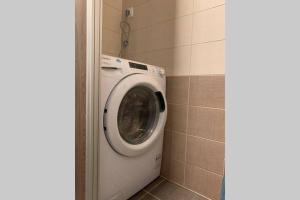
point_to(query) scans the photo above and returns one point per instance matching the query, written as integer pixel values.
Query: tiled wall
(193, 153)
(112, 15)
(187, 38)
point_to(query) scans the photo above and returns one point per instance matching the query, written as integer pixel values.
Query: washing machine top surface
(110, 63)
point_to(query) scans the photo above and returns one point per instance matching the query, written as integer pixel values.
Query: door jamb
(94, 23)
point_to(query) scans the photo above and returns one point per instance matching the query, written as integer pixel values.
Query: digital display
(138, 66)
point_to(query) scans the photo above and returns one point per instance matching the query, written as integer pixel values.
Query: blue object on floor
(223, 189)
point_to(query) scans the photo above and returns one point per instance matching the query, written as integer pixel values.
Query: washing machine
(133, 113)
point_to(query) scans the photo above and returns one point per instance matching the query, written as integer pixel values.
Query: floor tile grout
(152, 195)
(156, 185)
(181, 186)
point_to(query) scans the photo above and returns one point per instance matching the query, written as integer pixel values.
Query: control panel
(111, 64)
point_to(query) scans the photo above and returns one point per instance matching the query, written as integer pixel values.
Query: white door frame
(93, 51)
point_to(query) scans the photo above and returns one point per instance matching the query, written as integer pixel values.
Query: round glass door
(138, 115)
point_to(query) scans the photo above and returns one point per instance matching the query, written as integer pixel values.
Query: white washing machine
(134, 111)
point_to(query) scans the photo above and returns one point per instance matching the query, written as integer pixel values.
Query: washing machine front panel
(135, 115)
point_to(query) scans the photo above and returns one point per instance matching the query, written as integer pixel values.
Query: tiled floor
(161, 189)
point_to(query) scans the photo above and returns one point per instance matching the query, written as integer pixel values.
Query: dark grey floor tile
(149, 197)
(170, 191)
(138, 196)
(164, 191)
(197, 197)
(154, 184)
(142, 195)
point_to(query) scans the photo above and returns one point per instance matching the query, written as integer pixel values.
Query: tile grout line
(204, 107)
(137, 5)
(155, 186)
(149, 193)
(208, 171)
(198, 137)
(191, 51)
(162, 22)
(204, 10)
(186, 134)
(152, 195)
(182, 186)
(195, 136)
(176, 46)
(177, 17)
(116, 9)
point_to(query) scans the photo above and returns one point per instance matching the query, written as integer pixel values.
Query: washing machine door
(135, 115)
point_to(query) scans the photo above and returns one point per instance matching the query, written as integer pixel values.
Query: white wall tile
(183, 30)
(206, 4)
(134, 3)
(180, 61)
(111, 18)
(183, 7)
(209, 25)
(185, 45)
(114, 3)
(208, 58)
(111, 42)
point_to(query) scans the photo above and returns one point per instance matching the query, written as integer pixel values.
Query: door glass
(138, 115)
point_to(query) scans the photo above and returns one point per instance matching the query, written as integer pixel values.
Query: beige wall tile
(171, 33)
(143, 16)
(207, 123)
(167, 42)
(183, 30)
(114, 3)
(143, 57)
(209, 25)
(176, 61)
(206, 4)
(203, 182)
(177, 89)
(178, 147)
(161, 36)
(133, 42)
(111, 18)
(206, 154)
(170, 9)
(129, 56)
(208, 91)
(177, 118)
(161, 58)
(111, 42)
(112, 11)
(138, 41)
(208, 58)
(164, 10)
(183, 7)
(133, 3)
(177, 172)
(180, 61)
